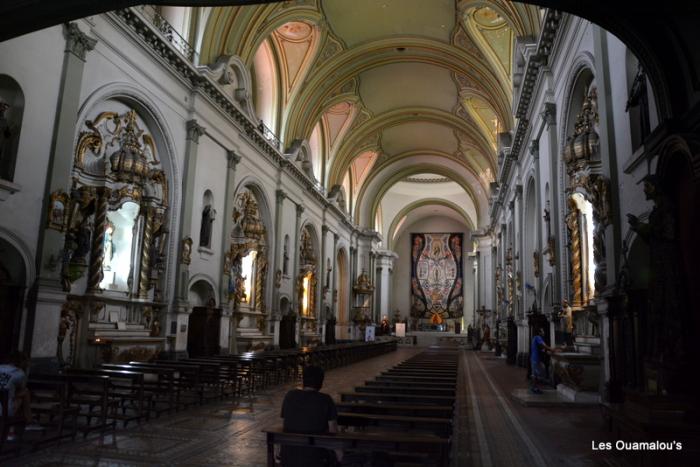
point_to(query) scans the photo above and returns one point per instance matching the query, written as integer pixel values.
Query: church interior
(479, 217)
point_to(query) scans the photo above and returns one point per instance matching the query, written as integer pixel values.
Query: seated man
(13, 378)
(308, 410)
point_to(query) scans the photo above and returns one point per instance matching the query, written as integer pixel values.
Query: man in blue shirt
(537, 351)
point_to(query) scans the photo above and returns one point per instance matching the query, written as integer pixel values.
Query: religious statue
(536, 263)
(186, 250)
(385, 326)
(108, 246)
(328, 274)
(208, 216)
(568, 315)
(666, 337)
(285, 259)
(8, 136)
(155, 328)
(278, 278)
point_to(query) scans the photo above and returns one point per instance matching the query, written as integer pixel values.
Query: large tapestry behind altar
(436, 276)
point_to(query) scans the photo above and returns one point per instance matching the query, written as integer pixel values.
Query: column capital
(77, 42)
(549, 113)
(324, 229)
(281, 195)
(233, 159)
(300, 210)
(194, 131)
(518, 191)
(535, 148)
(336, 237)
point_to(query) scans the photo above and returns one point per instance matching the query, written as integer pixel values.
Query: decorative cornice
(77, 42)
(144, 32)
(427, 180)
(545, 45)
(194, 131)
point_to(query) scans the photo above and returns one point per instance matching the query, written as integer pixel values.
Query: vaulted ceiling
(386, 89)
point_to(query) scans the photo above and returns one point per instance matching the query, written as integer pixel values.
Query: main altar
(437, 299)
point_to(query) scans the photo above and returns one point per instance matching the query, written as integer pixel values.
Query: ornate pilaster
(97, 253)
(51, 242)
(194, 131)
(145, 273)
(232, 161)
(77, 42)
(297, 238)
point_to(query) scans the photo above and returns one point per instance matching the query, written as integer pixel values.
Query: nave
(490, 427)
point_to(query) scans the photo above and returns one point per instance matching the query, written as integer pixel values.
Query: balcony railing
(269, 135)
(169, 32)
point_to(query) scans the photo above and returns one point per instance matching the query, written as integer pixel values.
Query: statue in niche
(208, 216)
(186, 250)
(285, 260)
(278, 279)
(8, 136)
(666, 340)
(108, 246)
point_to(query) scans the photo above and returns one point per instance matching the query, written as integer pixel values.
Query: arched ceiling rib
(403, 85)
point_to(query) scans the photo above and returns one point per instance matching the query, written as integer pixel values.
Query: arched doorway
(342, 325)
(287, 325)
(204, 328)
(12, 288)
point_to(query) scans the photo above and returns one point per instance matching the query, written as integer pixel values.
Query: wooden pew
(430, 449)
(406, 389)
(435, 411)
(90, 395)
(127, 388)
(438, 426)
(158, 381)
(400, 398)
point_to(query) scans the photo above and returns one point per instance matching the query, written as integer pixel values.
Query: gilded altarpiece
(245, 269)
(587, 216)
(114, 217)
(307, 282)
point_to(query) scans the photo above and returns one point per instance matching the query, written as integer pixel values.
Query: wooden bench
(439, 426)
(435, 411)
(425, 448)
(159, 382)
(402, 398)
(127, 388)
(90, 395)
(406, 389)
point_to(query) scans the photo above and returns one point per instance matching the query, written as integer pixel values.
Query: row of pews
(84, 401)
(402, 417)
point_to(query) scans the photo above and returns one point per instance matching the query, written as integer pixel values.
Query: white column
(385, 261)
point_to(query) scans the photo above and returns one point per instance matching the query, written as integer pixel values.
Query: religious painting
(436, 276)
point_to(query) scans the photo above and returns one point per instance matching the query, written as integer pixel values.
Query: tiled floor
(220, 434)
(492, 429)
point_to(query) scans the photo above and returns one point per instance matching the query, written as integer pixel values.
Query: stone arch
(391, 233)
(147, 109)
(17, 276)
(201, 289)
